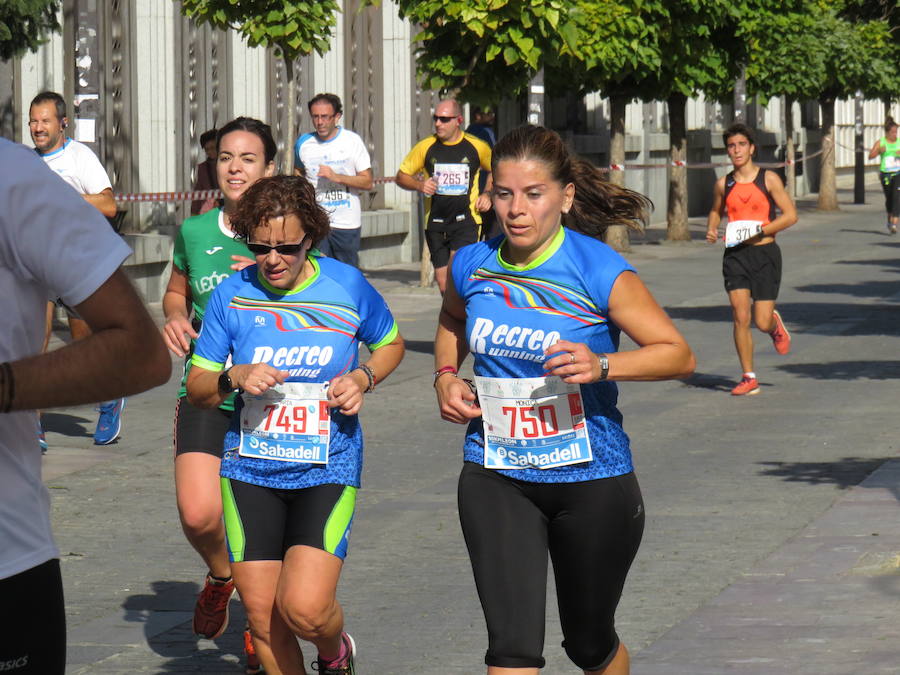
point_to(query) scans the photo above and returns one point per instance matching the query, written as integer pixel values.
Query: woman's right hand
(456, 401)
(256, 378)
(178, 333)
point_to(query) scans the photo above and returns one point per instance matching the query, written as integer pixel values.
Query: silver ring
(572, 355)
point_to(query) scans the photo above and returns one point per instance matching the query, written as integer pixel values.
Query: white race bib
(739, 231)
(891, 163)
(535, 422)
(451, 179)
(288, 423)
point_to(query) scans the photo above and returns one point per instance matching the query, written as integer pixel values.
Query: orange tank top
(749, 201)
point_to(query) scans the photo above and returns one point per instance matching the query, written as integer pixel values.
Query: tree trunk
(676, 209)
(289, 117)
(617, 235)
(827, 180)
(790, 154)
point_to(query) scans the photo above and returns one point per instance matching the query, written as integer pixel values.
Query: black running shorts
(199, 429)
(592, 530)
(33, 622)
(757, 268)
(448, 238)
(262, 523)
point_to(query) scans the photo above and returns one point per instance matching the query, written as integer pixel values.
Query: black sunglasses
(280, 249)
(443, 118)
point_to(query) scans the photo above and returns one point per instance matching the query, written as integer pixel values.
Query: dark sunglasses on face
(280, 249)
(443, 118)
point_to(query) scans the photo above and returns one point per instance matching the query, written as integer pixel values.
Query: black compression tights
(592, 531)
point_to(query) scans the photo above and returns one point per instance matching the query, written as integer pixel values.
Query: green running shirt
(203, 250)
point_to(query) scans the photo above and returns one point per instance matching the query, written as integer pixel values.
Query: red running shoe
(747, 387)
(211, 612)
(253, 665)
(780, 335)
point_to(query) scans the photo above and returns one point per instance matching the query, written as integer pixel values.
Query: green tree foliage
(484, 50)
(25, 24)
(294, 28)
(820, 50)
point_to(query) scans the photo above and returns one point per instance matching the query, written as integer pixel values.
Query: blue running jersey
(515, 312)
(314, 332)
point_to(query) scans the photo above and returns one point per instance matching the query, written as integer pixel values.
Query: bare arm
(715, 213)
(361, 181)
(124, 355)
(876, 150)
(103, 202)
(407, 182)
(783, 201)
(178, 331)
(662, 353)
(455, 399)
(483, 203)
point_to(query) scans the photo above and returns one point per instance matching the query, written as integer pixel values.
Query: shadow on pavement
(866, 289)
(176, 640)
(421, 346)
(845, 473)
(883, 232)
(400, 276)
(881, 262)
(810, 317)
(845, 370)
(66, 425)
(709, 381)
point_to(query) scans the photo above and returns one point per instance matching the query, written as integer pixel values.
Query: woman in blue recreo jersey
(547, 464)
(292, 324)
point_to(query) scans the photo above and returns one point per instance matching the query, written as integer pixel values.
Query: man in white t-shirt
(52, 244)
(335, 160)
(76, 164)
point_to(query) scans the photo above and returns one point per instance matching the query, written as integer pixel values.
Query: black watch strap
(226, 386)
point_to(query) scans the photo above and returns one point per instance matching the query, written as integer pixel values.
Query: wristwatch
(604, 366)
(226, 386)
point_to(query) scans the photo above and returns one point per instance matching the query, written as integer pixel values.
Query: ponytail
(599, 203)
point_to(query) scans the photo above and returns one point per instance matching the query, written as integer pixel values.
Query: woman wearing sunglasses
(291, 325)
(207, 253)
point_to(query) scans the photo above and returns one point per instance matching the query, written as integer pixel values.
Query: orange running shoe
(747, 387)
(780, 335)
(211, 612)
(254, 667)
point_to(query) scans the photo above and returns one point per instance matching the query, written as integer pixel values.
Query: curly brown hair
(280, 196)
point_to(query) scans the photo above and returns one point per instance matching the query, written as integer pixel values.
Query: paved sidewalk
(825, 603)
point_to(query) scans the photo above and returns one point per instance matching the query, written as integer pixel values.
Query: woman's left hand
(345, 393)
(573, 362)
(240, 262)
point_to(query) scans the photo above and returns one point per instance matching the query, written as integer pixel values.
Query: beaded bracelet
(369, 374)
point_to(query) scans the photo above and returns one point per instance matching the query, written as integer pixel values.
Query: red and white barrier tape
(196, 195)
(193, 195)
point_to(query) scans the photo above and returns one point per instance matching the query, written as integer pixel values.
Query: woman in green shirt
(889, 172)
(207, 253)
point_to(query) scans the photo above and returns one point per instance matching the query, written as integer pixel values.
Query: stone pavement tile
(831, 609)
